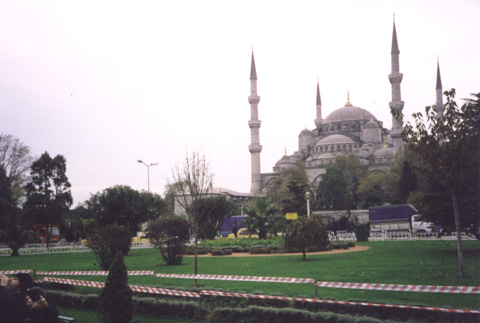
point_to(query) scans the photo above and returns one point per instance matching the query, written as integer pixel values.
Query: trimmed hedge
(280, 315)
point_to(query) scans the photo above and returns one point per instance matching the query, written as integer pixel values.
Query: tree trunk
(304, 255)
(196, 254)
(458, 228)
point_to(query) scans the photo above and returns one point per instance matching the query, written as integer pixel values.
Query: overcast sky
(106, 83)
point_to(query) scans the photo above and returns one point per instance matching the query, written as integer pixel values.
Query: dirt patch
(246, 254)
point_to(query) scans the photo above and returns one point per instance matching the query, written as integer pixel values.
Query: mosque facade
(347, 130)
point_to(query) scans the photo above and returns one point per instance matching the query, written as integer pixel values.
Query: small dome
(349, 113)
(371, 125)
(335, 139)
(386, 152)
(306, 132)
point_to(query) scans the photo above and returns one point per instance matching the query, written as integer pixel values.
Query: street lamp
(148, 171)
(307, 196)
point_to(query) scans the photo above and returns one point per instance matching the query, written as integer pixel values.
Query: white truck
(401, 217)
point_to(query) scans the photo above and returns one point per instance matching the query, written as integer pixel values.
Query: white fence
(60, 247)
(396, 235)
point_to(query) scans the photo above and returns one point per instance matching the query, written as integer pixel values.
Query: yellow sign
(291, 216)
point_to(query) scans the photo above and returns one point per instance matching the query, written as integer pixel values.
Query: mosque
(347, 130)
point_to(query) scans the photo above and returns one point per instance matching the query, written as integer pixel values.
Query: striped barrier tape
(163, 291)
(135, 288)
(313, 300)
(404, 288)
(74, 282)
(10, 272)
(92, 273)
(241, 278)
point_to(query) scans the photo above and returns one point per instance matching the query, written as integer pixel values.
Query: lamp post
(307, 196)
(148, 171)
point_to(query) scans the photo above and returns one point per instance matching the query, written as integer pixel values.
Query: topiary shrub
(306, 232)
(115, 303)
(106, 242)
(259, 250)
(190, 250)
(217, 252)
(227, 251)
(361, 231)
(351, 244)
(169, 234)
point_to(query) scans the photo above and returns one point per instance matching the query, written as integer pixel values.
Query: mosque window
(350, 148)
(338, 147)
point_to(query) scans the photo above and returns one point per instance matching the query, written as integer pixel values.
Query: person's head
(20, 282)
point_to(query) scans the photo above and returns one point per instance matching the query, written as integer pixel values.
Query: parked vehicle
(41, 233)
(228, 223)
(242, 233)
(401, 217)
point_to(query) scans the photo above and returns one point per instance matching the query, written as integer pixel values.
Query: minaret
(318, 119)
(255, 148)
(439, 106)
(396, 105)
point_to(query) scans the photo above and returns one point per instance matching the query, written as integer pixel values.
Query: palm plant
(263, 215)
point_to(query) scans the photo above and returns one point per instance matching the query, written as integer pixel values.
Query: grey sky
(108, 82)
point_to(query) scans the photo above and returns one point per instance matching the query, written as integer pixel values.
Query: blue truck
(400, 217)
(228, 223)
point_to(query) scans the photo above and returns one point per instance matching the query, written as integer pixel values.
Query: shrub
(361, 231)
(190, 250)
(106, 242)
(306, 232)
(169, 234)
(259, 250)
(115, 302)
(217, 252)
(227, 251)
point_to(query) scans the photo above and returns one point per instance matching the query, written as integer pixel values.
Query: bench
(65, 319)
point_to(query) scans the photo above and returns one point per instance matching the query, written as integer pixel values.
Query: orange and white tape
(10, 272)
(91, 273)
(241, 278)
(313, 300)
(404, 288)
(135, 288)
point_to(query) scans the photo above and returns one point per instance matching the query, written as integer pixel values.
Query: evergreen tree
(115, 302)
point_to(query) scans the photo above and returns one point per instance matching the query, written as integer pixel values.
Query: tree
(263, 215)
(306, 232)
(9, 215)
(48, 193)
(289, 188)
(122, 205)
(16, 159)
(449, 148)
(211, 212)
(192, 181)
(169, 234)
(371, 190)
(332, 189)
(106, 242)
(354, 171)
(115, 303)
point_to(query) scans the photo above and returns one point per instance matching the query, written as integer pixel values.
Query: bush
(259, 250)
(169, 234)
(115, 302)
(306, 232)
(217, 252)
(361, 231)
(190, 250)
(106, 242)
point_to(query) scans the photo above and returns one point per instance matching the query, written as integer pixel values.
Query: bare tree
(16, 159)
(192, 181)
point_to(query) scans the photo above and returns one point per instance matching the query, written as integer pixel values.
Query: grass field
(392, 262)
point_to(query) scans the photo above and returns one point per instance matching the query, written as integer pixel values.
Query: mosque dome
(386, 152)
(306, 132)
(334, 140)
(349, 113)
(371, 125)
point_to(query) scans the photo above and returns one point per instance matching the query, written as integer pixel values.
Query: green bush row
(226, 309)
(280, 315)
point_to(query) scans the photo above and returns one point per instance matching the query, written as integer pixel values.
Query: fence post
(316, 288)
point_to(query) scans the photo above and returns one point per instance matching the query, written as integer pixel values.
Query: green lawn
(392, 262)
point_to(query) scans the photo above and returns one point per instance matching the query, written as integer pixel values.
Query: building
(347, 130)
